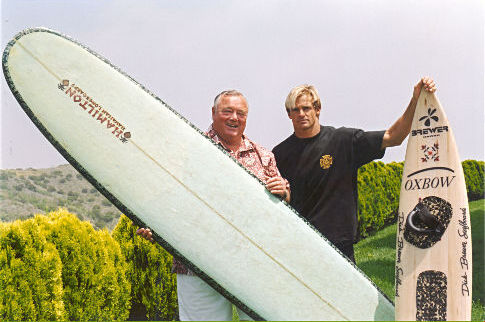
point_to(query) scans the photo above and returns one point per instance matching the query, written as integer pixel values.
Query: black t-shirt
(322, 172)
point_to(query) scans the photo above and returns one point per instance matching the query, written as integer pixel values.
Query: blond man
(321, 163)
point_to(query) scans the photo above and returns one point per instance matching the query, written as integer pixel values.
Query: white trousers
(199, 302)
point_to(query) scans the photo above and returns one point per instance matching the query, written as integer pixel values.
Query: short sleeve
(367, 146)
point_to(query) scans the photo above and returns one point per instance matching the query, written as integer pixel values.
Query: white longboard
(164, 173)
(433, 258)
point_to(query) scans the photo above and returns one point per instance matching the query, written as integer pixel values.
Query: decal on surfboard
(423, 231)
(430, 152)
(100, 114)
(463, 233)
(431, 296)
(428, 120)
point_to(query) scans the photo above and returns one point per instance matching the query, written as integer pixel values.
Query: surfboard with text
(433, 248)
(163, 173)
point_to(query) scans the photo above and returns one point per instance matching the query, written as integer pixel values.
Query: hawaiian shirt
(255, 158)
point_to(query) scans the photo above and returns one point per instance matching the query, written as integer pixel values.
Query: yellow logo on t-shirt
(326, 161)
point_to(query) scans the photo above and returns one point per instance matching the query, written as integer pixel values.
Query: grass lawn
(375, 255)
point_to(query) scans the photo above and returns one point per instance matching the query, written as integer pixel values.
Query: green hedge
(379, 186)
(57, 267)
(473, 171)
(30, 274)
(154, 288)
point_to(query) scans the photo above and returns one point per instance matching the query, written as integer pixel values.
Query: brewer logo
(97, 112)
(430, 152)
(326, 161)
(430, 131)
(429, 117)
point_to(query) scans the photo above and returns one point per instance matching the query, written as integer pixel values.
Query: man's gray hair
(231, 92)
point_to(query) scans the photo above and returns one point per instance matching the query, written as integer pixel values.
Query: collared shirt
(255, 158)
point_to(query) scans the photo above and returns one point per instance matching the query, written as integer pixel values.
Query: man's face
(304, 116)
(229, 118)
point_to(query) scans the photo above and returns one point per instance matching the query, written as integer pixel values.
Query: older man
(196, 299)
(321, 163)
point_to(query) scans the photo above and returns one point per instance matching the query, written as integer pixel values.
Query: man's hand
(145, 233)
(278, 186)
(396, 134)
(428, 85)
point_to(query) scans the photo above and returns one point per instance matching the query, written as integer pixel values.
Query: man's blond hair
(299, 91)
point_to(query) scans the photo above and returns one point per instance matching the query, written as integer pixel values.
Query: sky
(364, 57)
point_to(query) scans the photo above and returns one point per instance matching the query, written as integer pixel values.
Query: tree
(93, 268)
(153, 293)
(473, 171)
(30, 274)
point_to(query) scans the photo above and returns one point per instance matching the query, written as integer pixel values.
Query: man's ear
(213, 112)
(288, 112)
(317, 106)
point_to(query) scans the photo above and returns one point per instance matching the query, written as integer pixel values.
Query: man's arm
(396, 134)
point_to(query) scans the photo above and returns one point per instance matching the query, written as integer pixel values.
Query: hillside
(24, 192)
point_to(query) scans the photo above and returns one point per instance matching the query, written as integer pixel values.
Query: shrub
(30, 186)
(95, 211)
(153, 292)
(42, 184)
(93, 274)
(473, 171)
(379, 185)
(30, 274)
(71, 196)
(56, 267)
